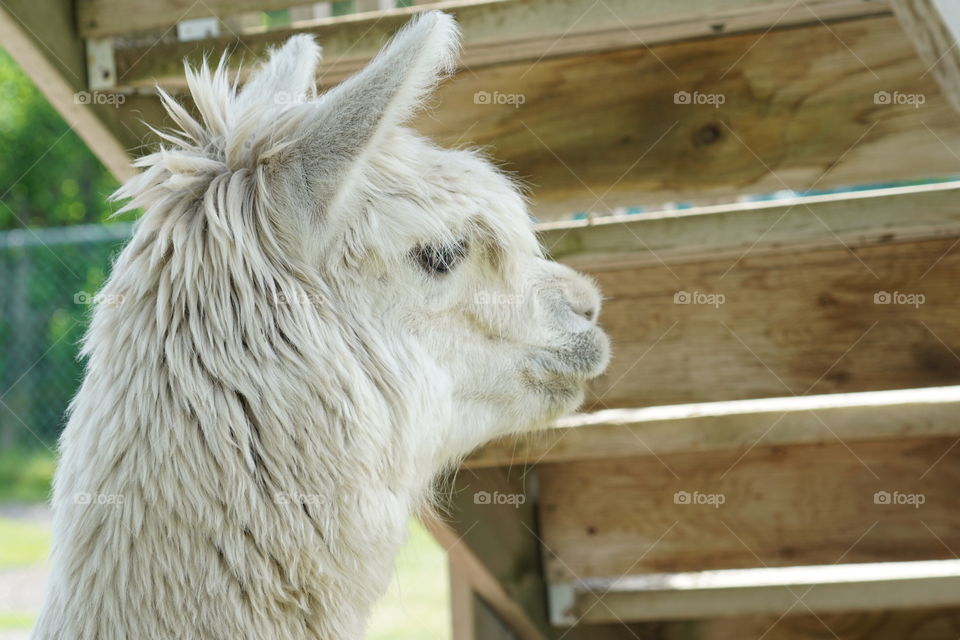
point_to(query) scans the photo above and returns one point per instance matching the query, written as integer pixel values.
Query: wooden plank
(471, 617)
(744, 592)
(462, 604)
(39, 36)
(590, 135)
(494, 31)
(800, 111)
(889, 624)
(934, 28)
(737, 425)
(857, 219)
(762, 507)
(99, 18)
(787, 324)
(495, 547)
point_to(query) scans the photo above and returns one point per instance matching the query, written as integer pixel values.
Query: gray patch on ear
(342, 125)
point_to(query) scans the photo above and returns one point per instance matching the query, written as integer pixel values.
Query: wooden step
(732, 425)
(743, 592)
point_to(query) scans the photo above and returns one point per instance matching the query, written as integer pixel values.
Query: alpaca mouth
(583, 357)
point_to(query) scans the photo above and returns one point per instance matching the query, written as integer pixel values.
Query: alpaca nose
(588, 309)
(582, 296)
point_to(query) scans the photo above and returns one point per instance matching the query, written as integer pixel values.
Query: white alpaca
(318, 312)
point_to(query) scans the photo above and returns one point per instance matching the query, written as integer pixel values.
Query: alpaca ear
(389, 90)
(338, 128)
(287, 77)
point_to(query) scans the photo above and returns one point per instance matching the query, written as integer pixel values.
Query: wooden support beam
(934, 28)
(776, 591)
(732, 426)
(494, 548)
(39, 37)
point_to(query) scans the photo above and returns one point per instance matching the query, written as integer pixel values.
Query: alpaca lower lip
(584, 358)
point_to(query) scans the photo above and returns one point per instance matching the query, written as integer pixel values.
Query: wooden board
(777, 591)
(860, 218)
(918, 624)
(494, 31)
(934, 27)
(732, 426)
(766, 506)
(800, 111)
(789, 324)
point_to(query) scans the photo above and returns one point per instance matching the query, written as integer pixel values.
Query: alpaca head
(426, 254)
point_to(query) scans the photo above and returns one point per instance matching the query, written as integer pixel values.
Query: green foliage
(45, 290)
(25, 476)
(48, 176)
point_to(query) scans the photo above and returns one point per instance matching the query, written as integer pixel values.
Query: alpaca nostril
(589, 312)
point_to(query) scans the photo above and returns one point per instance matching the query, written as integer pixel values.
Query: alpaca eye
(442, 259)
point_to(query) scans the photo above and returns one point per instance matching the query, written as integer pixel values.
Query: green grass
(25, 475)
(23, 544)
(16, 620)
(416, 605)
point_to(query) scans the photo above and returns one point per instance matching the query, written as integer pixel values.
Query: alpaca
(318, 312)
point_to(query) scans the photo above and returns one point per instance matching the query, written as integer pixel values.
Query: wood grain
(494, 31)
(495, 547)
(919, 624)
(789, 324)
(780, 506)
(799, 111)
(732, 426)
(854, 219)
(778, 591)
(596, 132)
(934, 27)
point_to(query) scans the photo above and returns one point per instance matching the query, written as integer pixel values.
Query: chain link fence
(47, 278)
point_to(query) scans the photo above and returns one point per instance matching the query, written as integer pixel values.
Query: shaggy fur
(318, 312)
